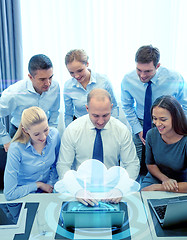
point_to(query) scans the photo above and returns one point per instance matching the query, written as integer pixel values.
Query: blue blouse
(25, 166)
(75, 96)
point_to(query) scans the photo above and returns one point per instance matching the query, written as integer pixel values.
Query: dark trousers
(3, 156)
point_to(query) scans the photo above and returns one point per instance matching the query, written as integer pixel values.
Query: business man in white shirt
(78, 139)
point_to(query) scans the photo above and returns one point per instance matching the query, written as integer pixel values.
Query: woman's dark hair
(179, 120)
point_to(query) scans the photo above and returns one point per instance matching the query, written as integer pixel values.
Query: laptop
(170, 211)
(105, 215)
(11, 214)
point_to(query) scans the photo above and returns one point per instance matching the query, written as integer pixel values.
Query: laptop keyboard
(161, 211)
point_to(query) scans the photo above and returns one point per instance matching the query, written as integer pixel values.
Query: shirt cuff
(137, 128)
(6, 139)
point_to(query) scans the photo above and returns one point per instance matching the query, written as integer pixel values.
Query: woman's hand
(45, 187)
(153, 187)
(170, 185)
(85, 197)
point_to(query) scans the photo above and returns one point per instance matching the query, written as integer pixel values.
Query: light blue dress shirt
(75, 96)
(25, 166)
(22, 95)
(165, 82)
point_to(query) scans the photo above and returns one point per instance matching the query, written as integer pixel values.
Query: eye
(46, 130)
(36, 134)
(79, 71)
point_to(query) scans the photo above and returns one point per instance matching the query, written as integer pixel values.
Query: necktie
(98, 146)
(147, 122)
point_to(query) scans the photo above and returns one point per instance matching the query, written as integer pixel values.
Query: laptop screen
(75, 214)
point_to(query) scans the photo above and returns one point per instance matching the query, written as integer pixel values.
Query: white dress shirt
(78, 141)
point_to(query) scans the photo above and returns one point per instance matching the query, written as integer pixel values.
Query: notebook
(105, 215)
(170, 211)
(10, 214)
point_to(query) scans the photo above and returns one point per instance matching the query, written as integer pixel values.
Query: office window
(109, 30)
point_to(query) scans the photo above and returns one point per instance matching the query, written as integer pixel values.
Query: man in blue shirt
(39, 90)
(134, 84)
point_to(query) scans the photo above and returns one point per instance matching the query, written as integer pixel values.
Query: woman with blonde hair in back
(82, 81)
(32, 156)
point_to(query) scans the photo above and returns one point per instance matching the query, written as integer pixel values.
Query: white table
(47, 216)
(158, 195)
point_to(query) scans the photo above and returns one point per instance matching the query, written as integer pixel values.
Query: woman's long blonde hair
(30, 117)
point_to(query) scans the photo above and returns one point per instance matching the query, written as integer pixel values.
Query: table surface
(157, 195)
(47, 216)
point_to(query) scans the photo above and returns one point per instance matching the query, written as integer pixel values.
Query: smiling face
(99, 111)
(146, 71)
(38, 132)
(79, 71)
(163, 121)
(41, 81)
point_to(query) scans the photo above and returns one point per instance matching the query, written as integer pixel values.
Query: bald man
(78, 139)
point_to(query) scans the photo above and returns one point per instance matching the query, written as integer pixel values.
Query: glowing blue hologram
(92, 176)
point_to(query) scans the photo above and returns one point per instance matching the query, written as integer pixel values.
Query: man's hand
(140, 134)
(113, 196)
(85, 197)
(6, 146)
(45, 187)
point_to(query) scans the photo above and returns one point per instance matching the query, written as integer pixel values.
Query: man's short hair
(39, 62)
(147, 54)
(98, 93)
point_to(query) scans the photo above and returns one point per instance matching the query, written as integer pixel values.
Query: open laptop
(105, 215)
(170, 211)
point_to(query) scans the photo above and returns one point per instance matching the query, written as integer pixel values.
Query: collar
(155, 78)
(30, 87)
(48, 141)
(92, 126)
(92, 79)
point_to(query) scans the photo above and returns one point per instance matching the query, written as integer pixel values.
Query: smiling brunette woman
(166, 147)
(32, 156)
